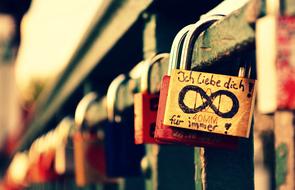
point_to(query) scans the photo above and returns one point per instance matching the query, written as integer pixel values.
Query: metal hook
(145, 86)
(64, 127)
(193, 33)
(175, 48)
(112, 95)
(82, 108)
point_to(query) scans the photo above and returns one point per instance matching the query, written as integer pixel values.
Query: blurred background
(37, 39)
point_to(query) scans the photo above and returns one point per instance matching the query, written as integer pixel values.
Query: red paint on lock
(168, 134)
(42, 170)
(95, 154)
(145, 114)
(286, 62)
(8, 184)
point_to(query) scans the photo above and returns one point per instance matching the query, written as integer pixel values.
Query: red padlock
(286, 62)
(41, 168)
(169, 134)
(146, 106)
(42, 159)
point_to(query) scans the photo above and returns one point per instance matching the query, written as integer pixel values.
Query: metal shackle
(112, 96)
(135, 75)
(112, 91)
(82, 108)
(192, 36)
(145, 82)
(175, 48)
(64, 128)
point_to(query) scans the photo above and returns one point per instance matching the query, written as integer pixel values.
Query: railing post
(227, 41)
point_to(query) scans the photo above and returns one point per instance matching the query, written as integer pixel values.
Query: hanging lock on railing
(16, 174)
(89, 152)
(41, 159)
(64, 157)
(208, 102)
(123, 155)
(167, 133)
(146, 105)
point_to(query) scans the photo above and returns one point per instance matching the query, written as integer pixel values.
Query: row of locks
(175, 106)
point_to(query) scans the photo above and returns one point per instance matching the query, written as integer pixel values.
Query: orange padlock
(169, 134)
(146, 106)
(89, 152)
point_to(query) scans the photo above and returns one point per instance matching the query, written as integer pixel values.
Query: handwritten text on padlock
(210, 102)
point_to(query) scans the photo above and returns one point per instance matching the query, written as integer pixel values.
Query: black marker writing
(175, 120)
(208, 101)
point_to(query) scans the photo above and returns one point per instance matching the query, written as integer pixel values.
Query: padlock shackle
(33, 150)
(82, 108)
(175, 48)
(145, 79)
(64, 128)
(112, 96)
(245, 70)
(36, 148)
(136, 71)
(192, 36)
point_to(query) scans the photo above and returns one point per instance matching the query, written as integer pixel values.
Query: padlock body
(145, 113)
(89, 153)
(42, 170)
(286, 62)
(169, 134)
(123, 156)
(211, 103)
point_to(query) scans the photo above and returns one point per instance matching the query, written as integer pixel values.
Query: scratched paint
(281, 164)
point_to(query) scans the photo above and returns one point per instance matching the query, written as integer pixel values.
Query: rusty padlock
(89, 152)
(123, 155)
(207, 102)
(166, 133)
(64, 158)
(146, 105)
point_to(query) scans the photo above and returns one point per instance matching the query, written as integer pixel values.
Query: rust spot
(206, 48)
(228, 38)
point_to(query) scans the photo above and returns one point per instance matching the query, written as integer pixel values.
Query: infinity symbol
(208, 102)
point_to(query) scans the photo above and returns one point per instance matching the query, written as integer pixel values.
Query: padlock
(123, 155)
(89, 152)
(286, 62)
(64, 157)
(146, 106)
(169, 134)
(207, 102)
(16, 175)
(41, 158)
